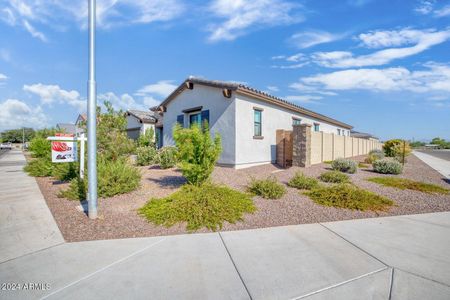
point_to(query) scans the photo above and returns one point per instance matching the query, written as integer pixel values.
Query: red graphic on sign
(60, 147)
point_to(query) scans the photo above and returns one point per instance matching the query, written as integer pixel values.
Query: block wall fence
(310, 147)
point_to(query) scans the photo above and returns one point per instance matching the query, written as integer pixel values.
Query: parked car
(6, 146)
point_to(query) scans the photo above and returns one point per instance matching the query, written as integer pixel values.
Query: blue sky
(382, 66)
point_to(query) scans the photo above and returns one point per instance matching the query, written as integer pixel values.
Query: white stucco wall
(221, 117)
(133, 122)
(250, 151)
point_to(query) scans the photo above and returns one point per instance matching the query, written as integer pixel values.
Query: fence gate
(284, 148)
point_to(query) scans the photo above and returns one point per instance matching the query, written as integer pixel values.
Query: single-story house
(68, 128)
(246, 118)
(363, 135)
(138, 121)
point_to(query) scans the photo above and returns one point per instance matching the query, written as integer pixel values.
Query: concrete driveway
(405, 257)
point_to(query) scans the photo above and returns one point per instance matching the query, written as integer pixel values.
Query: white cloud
(434, 78)
(15, 114)
(392, 38)
(110, 13)
(312, 99)
(49, 94)
(425, 7)
(312, 38)
(273, 88)
(162, 88)
(3, 77)
(242, 16)
(298, 59)
(424, 40)
(443, 12)
(123, 102)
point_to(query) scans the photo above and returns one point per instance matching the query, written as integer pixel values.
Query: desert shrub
(268, 188)
(40, 147)
(65, 171)
(197, 152)
(362, 165)
(344, 165)
(394, 148)
(147, 139)
(387, 166)
(374, 155)
(205, 205)
(348, 196)
(39, 167)
(334, 177)
(407, 184)
(167, 157)
(146, 155)
(114, 177)
(302, 182)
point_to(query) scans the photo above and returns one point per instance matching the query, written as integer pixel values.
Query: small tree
(396, 148)
(198, 152)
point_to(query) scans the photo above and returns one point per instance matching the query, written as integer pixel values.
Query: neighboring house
(363, 135)
(246, 118)
(139, 121)
(81, 120)
(67, 128)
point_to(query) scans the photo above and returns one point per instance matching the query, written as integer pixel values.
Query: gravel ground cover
(119, 218)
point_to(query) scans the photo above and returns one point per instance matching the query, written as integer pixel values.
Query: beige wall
(327, 146)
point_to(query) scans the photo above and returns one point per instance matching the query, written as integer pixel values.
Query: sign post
(82, 139)
(92, 119)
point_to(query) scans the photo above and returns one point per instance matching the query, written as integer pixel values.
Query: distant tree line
(441, 143)
(17, 135)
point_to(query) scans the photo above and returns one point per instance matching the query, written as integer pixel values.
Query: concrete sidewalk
(26, 224)
(439, 164)
(404, 257)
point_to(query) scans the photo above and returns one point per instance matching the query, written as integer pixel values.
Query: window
(257, 122)
(195, 119)
(316, 126)
(296, 121)
(339, 131)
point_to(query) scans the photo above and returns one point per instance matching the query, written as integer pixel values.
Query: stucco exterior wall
(221, 117)
(250, 151)
(133, 122)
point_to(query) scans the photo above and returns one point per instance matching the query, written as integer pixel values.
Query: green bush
(40, 147)
(146, 155)
(114, 177)
(205, 205)
(39, 167)
(268, 188)
(374, 155)
(302, 182)
(344, 165)
(197, 152)
(394, 148)
(167, 157)
(348, 196)
(334, 177)
(387, 166)
(147, 139)
(65, 171)
(403, 184)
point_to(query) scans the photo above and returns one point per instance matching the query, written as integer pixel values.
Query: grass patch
(268, 188)
(406, 184)
(302, 182)
(349, 196)
(207, 205)
(362, 165)
(334, 177)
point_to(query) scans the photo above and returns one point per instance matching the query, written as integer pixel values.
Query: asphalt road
(442, 154)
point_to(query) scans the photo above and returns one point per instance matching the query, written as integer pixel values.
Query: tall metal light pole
(92, 119)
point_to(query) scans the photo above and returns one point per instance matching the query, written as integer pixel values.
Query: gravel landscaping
(119, 218)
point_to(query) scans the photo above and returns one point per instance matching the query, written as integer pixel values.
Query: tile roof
(252, 92)
(144, 116)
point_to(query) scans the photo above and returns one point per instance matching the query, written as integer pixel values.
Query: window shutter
(180, 120)
(205, 117)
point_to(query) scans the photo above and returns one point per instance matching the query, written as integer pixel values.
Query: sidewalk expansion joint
(340, 283)
(391, 284)
(34, 252)
(235, 267)
(359, 248)
(103, 268)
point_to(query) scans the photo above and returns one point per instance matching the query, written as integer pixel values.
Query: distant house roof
(251, 92)
(143, 116)
(67, 128)
(362, 135)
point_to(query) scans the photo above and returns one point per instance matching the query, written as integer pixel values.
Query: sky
(381, 66)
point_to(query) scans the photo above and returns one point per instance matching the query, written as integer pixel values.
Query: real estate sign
(63, 151)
